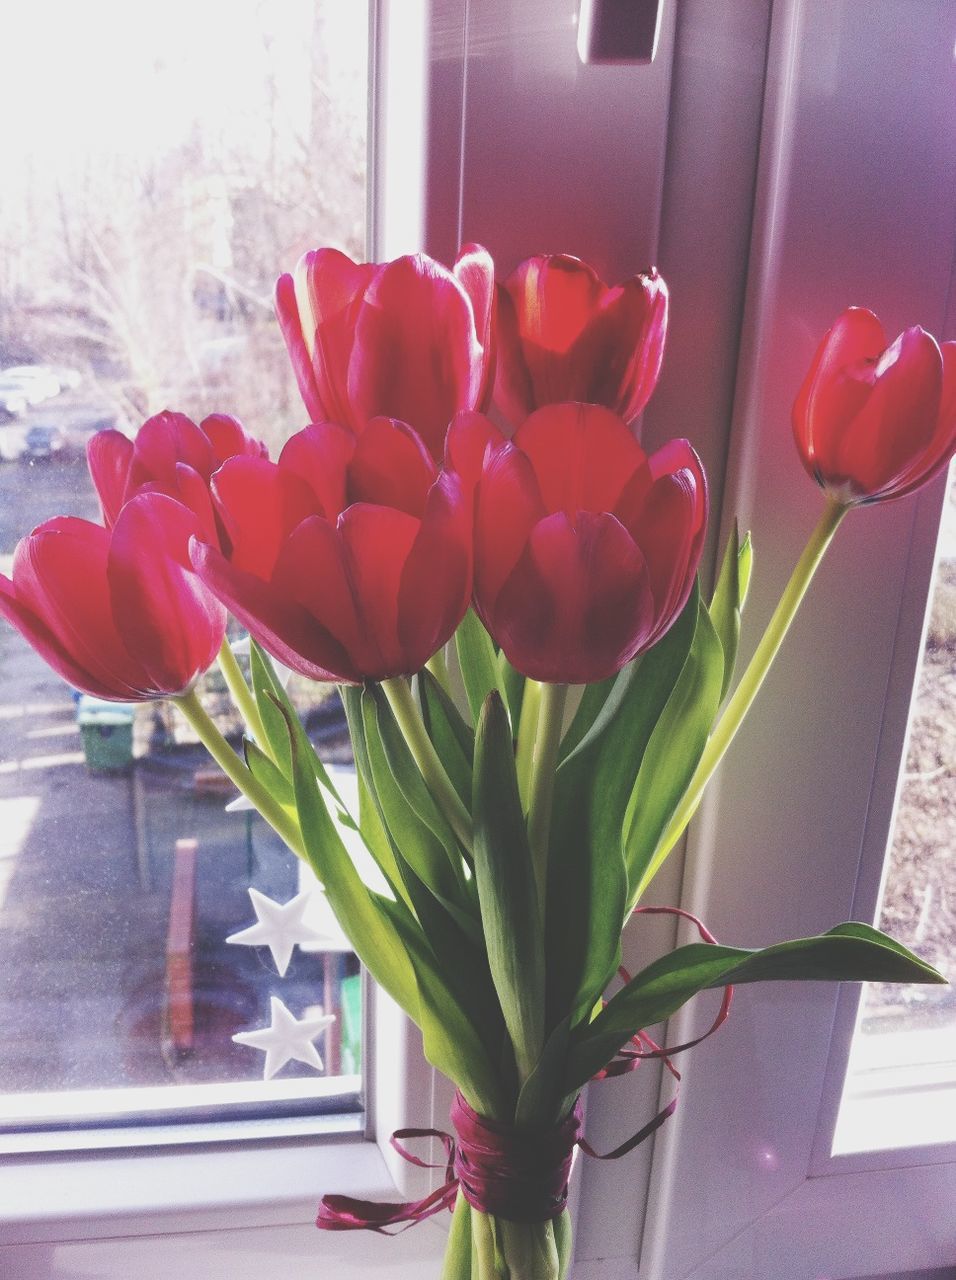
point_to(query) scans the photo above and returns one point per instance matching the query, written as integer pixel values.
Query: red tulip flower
(873, 422)
(585, 548)
(563, 334)
(170, 455)
(408, 339)
(350, 557)
(117, 613)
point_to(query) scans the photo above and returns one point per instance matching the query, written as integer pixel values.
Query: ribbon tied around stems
(520, 1175)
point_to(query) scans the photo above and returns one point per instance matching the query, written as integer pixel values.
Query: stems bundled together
(516, 825)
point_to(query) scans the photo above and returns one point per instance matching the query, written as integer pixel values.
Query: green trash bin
(107, 732)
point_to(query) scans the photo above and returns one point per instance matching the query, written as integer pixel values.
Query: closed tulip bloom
(350, 557)
(563, 334)
(408, 339)
(873, 422)
(585, 548)
(118, 613)
(170, 455)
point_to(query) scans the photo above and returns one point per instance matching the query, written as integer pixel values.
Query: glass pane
(904, 1050)
(182, 158)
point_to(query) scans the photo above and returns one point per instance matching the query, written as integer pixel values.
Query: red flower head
(170, 455)
(563, 334)
(585, 548)
(873, 422)
(408, 339)
(351, 556)
(118, 613)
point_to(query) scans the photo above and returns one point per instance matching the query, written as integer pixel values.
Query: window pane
(903, 1060)
(182, 158)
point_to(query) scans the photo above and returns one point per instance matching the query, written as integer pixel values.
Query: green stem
(238, 773)
(547, 741)
(457, 1264)
(483, 1240)
(437, 665)
(426, 757)
(527, 732)
(241, 694)
(750, 682)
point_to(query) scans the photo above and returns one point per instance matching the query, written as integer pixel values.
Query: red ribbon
(520, 1175)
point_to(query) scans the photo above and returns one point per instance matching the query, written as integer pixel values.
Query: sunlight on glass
(160, 168)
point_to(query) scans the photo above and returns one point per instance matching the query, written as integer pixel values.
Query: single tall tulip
(170, 455)
(563, 334)
(350, 557)
(408, 339)
(873, 422)
(585, 547)
(118, 613)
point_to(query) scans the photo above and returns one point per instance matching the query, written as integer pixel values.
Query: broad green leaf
(587, 884)
(540, 1100)
(453, 739)
(399, 790)
(672, 754)
(849, 953)
(368, 923)
(477, 660)
(510, 914)
(451, 1042)
(590, 706)
(265, 771)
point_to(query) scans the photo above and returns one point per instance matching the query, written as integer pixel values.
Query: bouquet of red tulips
(536, 687)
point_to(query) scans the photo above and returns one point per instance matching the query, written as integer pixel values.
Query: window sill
(149, 1192)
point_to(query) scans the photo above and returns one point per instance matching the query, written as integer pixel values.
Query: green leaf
(673, 752)
(589, 708)
(368, 925)
(510, 915)
(454, 740)
(728, 601)
(477, 660)
(265, 771)
(450, 1040)
(420, 834)
(587, 884)
(540, 1100)
(849, 953)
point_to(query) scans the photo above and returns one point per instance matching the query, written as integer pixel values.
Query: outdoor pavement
(85, 880)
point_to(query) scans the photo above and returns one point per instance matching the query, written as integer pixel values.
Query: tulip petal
(416, 355)
(229, 439)
(59, 574)
(475, 272)
(165, 615)
(577, 606)
(391, 468)
(376, 542)
(582, 454)
(836, 387)
(193, 492)
(311, 572)
(897, 421)
(282, 627)
(470, 437)
(940, 450)
(628, 344)
(287, 313)
(163, 441)
(320, 455)
(46, 644)
(436, 580)
(514, 394)
(507, 506)
(260, 503)
(108, 455)
(329, 287)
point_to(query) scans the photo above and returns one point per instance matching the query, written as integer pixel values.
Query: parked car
(37, 382)
(43, 441)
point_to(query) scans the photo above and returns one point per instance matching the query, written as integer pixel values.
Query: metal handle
(622, 31)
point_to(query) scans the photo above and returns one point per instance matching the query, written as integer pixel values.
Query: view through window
(906, 1037)
(160, 167)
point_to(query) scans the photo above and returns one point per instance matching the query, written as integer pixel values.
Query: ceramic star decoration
(286, 1038)
(279, 926)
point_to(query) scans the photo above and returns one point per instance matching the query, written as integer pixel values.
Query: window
(184, 158)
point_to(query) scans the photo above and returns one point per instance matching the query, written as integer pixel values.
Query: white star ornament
(286, 1038)
(279, 926)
